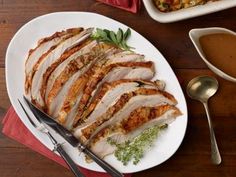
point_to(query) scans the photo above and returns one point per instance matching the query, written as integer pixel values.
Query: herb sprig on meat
(119, 38)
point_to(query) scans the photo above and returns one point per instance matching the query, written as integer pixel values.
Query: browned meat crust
(55, 35)
(70, 32)
(109, 86)
(99, 74)
(87, 132)
(74, 66)
(62, 58)
(77, 87)
(144, 114)
(137, 118)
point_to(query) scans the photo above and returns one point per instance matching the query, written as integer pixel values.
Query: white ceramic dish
(195, 34)
(182, 14)
(26, 38)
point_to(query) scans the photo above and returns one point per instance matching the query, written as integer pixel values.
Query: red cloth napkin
(15, 129)
(129, 5)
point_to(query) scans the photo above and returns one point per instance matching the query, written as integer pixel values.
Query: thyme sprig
(135, 149)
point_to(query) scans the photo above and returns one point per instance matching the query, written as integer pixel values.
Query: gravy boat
(195, 34)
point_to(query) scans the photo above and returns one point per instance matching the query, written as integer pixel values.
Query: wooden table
(193, 157)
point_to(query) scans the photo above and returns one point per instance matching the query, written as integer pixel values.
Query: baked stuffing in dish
(172, 5)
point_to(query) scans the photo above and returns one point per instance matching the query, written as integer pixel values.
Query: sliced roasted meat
(95, 89)
(77, 87)
(66, 57)
(139, 120)
(108, 95)
(90, 53)
(68, 123)
(109, 73)
(123, 107)
(111, 92)
(64, 94)
(42, 49)
(144, 116)
(124, 56)
(48, 60)
(60, 68)
(66, 83)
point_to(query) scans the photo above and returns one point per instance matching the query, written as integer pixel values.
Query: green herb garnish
(119, 39)
(135, 149)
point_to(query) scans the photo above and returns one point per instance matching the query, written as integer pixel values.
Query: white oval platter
(27, 37)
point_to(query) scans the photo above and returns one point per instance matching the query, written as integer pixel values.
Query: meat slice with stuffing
(75, 67)
(123, 107)
(52, 57)
(110, 93)
(43, 47)
(109, 73)
(133, 125)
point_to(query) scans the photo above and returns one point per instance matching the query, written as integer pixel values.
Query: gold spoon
(202, 88)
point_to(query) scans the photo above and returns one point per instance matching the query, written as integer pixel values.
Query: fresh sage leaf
(113, 37)
(101, 33)
(127, 34)
(119, 39)
(107, 32)
(123, 45)
(119, 35)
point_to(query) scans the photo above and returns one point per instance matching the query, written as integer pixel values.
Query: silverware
(57, 146)
(70, 138)
(202, 88)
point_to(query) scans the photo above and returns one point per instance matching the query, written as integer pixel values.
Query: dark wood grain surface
(193, 157)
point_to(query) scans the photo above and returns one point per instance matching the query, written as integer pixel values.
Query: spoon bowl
(202, 88)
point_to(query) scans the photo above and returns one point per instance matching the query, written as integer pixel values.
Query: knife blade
(71, 139)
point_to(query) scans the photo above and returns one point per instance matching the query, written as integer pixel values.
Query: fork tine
(27, 115)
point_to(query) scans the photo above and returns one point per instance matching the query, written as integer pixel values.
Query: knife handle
(74, 168)
(108, 168)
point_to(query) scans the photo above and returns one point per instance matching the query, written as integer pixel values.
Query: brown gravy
(220, 51)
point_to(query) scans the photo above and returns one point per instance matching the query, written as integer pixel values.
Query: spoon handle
(215, 154)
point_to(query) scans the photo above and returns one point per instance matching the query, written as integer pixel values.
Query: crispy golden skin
(109, 86)
(64, 34)
(55, 35)
(98, 75)
(73, 66)
(51, 68)
(79, 85)
(144, 114)
(87, 132)
(137, 118)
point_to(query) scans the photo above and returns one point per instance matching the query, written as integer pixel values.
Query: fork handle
(58, 147)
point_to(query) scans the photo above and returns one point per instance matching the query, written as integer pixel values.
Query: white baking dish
(167, 17)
